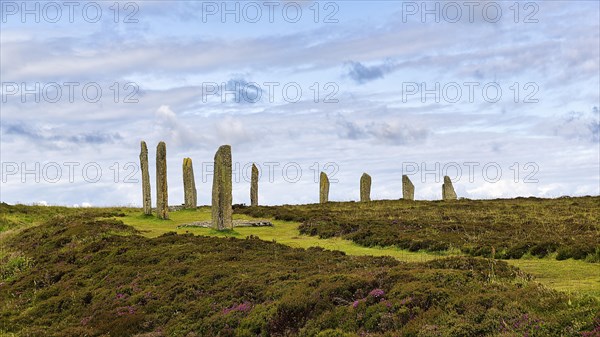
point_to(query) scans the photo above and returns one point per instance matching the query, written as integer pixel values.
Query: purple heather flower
(377, 293)
(126, 310)
(243, 307)
(406, 300)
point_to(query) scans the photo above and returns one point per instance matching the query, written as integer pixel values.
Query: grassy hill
(78, 272)
(510, 228)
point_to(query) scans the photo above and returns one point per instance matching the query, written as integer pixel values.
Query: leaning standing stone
(254, 186)
(323, 188)
(189, 184)
(221, 192)
(408, 189)
(365, 188)
(162, 193)
(448, 190)
(146, 193)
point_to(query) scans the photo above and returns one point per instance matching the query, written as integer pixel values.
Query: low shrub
(512, 227)
(87, 280)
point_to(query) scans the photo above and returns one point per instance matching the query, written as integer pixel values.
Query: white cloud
(370, 129)
(231, 130)
(172, 130)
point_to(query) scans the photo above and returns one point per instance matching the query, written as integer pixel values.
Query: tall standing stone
(365, 188)
(448, 190)
(189, 184)
(408, 189)
(254, 186)
(162, 193)
(146, 193)
(221, 191)
(323, 188)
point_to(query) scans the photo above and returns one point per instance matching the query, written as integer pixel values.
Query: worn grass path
(571, 276)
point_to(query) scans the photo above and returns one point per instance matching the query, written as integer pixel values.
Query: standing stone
(221, 191)
(146, 193)
(189, 184)
(365, 188)
(162, 193)
(254, 186)
(323, 188)
(448, 190)
(408, 189)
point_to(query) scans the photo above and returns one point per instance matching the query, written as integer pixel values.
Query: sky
(503, 97)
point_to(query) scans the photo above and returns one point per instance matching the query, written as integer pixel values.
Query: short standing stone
(221, 191)
(448, 190)
(146, 193)
(162, 193)
(254, 186)
(323, 188)
(365, 187)
(189, 184)
(408, 189)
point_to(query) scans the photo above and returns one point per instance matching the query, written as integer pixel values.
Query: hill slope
(86, 274)
(569, 227)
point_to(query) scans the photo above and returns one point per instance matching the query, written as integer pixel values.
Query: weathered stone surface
(254, 186)
(176, 208)
(221, 190)
(323, 188)
(408, 189)
(162, 193)
(448, 190)
(365, 188)
(146, 192)
(189, 184)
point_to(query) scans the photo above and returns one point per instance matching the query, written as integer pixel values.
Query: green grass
(510, 228)
(284, 232)
(570, 275)
(12, 264)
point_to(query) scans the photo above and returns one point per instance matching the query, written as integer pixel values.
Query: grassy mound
(89, 275)
(510, 228)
